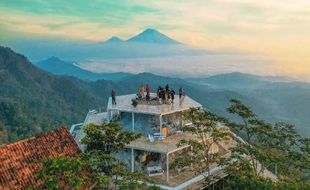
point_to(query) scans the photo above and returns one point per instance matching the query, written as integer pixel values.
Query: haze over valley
(148, 51)
(29, 93)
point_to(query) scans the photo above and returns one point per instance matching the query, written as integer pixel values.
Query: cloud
(184, 66)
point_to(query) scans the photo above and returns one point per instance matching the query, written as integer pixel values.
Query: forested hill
(32, 100)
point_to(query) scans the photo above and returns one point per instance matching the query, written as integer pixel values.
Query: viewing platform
(124, 104)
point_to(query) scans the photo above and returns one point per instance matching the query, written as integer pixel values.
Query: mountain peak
(150, 30)
(114, 39)
(150, 35)
(53, 58)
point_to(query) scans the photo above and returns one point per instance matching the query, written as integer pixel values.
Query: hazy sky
(279, 29)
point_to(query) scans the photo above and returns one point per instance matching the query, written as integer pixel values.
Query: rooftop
(124, 104)
(20, 161)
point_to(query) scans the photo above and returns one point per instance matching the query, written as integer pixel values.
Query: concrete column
(109, 115)
(132, 161)
(167, 166)
(182, 119)
(133, 121)
(191, 157)
(212, 146)
(160, 122)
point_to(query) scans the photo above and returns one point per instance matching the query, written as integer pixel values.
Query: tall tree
(64, 173)
(207, 133)
(265, 148)
(291, 152)
(254, 131)
(102, 143)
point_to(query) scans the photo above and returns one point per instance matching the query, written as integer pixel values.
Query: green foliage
(242, 180)
(277, 147)
(255, 133)
(204, 128)
(102, 142)
(63, 173)
(107, 138)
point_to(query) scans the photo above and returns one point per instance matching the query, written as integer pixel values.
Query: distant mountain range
(238, 81)
(273, 98)
(32, 100)
(59, 67)
(149, 43)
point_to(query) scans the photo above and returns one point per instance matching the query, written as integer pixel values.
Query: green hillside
(33, 101)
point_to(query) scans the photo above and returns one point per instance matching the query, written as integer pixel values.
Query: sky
(277, 29)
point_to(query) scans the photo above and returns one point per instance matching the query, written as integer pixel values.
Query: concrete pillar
(133, 121)
(109, 115)
(132, 161)
(167, 166)
(191, 157)
(212, 146)
(182, 119)
(160, 122)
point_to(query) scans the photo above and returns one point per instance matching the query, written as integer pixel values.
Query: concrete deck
(123, 103)
(163, 146)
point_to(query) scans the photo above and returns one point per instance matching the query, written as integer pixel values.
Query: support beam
(192, 157)
(212, 146)
(132, 161)
(167, 166)
(109, 115)
(160, 122)
(182, 119)
(133, 121)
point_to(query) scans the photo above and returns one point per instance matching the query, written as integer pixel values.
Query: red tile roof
(19, 161)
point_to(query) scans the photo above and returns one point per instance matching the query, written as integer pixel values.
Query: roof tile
(19, 161)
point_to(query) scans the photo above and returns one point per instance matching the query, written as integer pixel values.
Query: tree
(63, 173)
(266, 146)
(291, 152)
(207, 132)
(102, 143)
(255, 132)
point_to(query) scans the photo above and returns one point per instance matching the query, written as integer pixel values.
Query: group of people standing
(165, 94)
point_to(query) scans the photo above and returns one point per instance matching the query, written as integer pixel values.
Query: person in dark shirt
(167, 88)
(113, 95)
(172, 95)
(180, 93)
